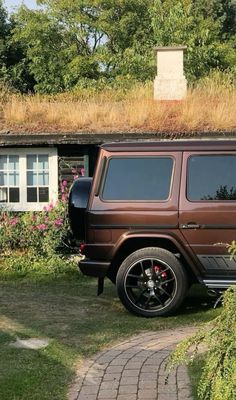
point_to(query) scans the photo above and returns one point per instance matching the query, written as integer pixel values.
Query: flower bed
(35, 241)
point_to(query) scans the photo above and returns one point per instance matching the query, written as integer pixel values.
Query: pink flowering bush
(39, 233)
(33, 241)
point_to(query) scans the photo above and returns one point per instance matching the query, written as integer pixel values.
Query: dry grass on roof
(208, 107)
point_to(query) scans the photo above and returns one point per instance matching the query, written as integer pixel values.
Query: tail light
(81, 248)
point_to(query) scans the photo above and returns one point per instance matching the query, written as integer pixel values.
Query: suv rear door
(129, 196)
(207, 213)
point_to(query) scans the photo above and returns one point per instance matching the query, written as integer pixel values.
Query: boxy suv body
(157, 217)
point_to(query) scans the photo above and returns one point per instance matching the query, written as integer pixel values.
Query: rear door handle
(190, 225)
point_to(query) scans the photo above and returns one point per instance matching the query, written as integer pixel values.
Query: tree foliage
(68, 43)
(14, 64)
(199, 24)
(3, 32)
(218, 379)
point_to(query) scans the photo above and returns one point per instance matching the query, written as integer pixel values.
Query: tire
(151, 282)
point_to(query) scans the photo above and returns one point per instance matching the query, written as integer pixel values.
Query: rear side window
(211, 177)
(137, 179)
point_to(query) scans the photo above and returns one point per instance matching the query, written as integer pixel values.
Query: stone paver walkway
(135, 370)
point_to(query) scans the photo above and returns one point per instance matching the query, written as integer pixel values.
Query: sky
(11, 4)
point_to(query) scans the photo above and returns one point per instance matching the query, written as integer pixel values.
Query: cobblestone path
(135, 370)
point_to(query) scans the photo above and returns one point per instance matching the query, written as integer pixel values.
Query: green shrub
(218, 379)
(26, 264)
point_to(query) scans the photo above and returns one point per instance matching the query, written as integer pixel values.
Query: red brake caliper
(158, 270)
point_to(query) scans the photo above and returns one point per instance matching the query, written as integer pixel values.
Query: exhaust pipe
(213, 293)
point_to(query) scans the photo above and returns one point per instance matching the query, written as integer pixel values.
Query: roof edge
(47, 138)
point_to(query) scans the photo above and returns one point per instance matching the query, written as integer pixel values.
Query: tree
(129, 38)
(72, 43)
(3, 36)
(229, 25)
(198, 24)
(46, 48)
(68, 41)
(14, 67)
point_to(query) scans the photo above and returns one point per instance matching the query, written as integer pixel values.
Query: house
(32, 165)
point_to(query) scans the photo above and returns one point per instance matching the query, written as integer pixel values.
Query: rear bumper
(94, 268)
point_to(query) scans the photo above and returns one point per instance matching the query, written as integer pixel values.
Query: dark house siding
(70, 166)
(76, 157)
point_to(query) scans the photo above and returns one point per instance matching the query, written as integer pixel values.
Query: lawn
(195, 370)
(66, 310)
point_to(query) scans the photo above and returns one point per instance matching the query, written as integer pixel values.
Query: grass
(209, 106)
(195, 370)
(66, 310)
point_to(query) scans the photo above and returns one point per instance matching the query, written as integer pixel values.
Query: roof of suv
(186, 145)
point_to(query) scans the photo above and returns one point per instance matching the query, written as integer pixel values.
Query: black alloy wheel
(151, 282)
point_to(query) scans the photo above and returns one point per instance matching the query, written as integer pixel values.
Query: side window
(9, 179)
(138, 179)
(211, 177)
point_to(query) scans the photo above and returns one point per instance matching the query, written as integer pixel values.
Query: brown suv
(156, 218)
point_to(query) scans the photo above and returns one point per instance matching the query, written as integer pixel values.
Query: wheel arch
(131, 243)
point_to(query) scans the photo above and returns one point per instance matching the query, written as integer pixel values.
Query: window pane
(43, 178)
(32, 195)
(31, 161)
(14, 195)
(13, 179)
(13, 163)
(43, 161)
(32, 178)
(3, 162)
(43, 195)
(138, 178)
(211, 178)
(3, 195)
(3, 179)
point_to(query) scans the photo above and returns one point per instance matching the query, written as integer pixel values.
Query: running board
(218, 284)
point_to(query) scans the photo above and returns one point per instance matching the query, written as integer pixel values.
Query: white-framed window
(28, 178)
